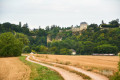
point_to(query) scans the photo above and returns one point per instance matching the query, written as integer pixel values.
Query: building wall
(75, 29)
(83, 27)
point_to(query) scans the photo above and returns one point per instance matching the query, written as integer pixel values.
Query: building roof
(83, 23)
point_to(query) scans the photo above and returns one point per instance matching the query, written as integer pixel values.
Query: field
(105, 65)
(13, 69)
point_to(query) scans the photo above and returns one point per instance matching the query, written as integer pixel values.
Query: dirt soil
(64, 73)
(94, 76)
(12, 68)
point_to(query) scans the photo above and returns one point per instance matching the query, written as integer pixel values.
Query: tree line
(92, 40)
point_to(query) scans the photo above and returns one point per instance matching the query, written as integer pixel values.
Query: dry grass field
(101, 64)
(13, 69)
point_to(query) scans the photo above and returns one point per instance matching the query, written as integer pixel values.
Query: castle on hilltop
(83, 26)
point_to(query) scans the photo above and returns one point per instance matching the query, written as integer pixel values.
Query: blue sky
(60, 12)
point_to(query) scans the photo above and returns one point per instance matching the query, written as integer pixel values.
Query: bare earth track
(64, 73)
(13, 69)
(94, 76)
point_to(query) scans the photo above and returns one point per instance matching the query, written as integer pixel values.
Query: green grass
(39, 72)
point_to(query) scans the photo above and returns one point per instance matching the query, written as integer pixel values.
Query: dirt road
(13, 69)
(94, 76)
(65, 74)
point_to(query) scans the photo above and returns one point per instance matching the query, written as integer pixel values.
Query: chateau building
(83, 26)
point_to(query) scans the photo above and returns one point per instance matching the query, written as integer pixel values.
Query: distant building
(83, 26)
(73, 51)
(75, 30)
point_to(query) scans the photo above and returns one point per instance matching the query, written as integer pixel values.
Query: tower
(83, 26)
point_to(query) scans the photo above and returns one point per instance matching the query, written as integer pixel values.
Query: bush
(54, 50)
(9, 45)
(116, 76)
(26, 49)
(106, 48)
(65, 51)
(43, 48)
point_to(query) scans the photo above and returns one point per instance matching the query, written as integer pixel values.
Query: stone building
(83, 26)
(75, 30)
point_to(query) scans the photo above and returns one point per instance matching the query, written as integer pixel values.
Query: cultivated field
(102, 64)
(13, 69)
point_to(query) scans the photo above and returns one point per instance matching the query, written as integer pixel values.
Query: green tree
(9, 45)
(106, 48)
(26, 49)
(22, 38)
(88, 48)
(65, 51)
(43, 48)
(54, 50)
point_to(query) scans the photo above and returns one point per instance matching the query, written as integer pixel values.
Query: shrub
(65, 51)
(106, 48)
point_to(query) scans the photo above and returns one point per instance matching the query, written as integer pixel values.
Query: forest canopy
(95, 39)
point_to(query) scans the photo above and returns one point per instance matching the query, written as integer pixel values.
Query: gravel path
(64, 73)
(94, 76)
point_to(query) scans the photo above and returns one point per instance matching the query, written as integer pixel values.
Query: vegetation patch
(116, 76)
(39, 72)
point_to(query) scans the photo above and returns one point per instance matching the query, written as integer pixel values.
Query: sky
(63, 13)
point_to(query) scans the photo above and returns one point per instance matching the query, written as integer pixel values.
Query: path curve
(64, 73)
(93, 75)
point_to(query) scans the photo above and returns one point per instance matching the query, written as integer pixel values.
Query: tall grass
(39, 72)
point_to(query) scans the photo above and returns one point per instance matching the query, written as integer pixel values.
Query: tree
(93, 26)
(47, 28)
(22, 38)
(65, 51)
(54, 50)
(9, 45)
(114, 23)
(43, 48)
(88, 48)
(26, 49)
(106, 48)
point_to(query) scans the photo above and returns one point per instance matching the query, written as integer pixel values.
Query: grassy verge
(39, 72)
(68, 69)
